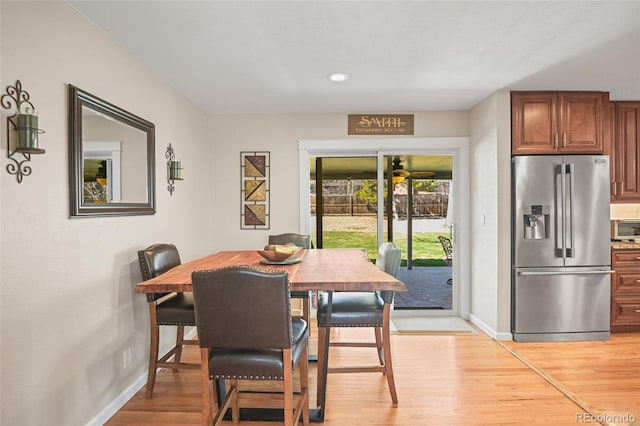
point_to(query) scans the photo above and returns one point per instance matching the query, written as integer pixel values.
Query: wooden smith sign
(381, 124)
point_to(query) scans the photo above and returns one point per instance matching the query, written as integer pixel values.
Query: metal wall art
(255, 188)
(174, 169)
(22, 130)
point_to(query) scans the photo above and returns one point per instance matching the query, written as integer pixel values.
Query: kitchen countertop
(624, 245)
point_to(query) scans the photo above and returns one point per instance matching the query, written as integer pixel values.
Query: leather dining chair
(165, 309)
(246, 332)
(304, 241)
(362, 309)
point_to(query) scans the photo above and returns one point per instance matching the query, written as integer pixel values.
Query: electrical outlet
(126, 358)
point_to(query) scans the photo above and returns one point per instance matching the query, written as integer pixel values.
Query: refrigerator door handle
(561, 234)
(557, 222)
(570, 212)
(529, 273)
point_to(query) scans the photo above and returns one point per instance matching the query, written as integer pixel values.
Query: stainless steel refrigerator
(561, 264)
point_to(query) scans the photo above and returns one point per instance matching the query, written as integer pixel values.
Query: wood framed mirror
(111, 158)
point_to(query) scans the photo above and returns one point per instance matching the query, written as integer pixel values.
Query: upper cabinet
(625, 152)
(558, 122)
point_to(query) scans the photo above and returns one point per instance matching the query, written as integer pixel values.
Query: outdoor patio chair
(448, 251)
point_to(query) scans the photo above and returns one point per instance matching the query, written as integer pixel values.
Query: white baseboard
(489, 330)
(503, 336)
(112, 408)
(107, 412)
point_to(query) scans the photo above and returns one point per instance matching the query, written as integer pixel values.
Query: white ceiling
(403, 56)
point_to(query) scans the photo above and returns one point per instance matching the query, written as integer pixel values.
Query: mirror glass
(112, 158)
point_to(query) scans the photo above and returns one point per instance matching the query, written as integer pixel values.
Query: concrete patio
(427, 288)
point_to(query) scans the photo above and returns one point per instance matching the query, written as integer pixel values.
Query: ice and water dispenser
(536, 222)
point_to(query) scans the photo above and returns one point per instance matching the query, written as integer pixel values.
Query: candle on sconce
(27, 126)
(176, 169)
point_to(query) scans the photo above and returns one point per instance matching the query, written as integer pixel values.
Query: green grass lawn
(427, 250)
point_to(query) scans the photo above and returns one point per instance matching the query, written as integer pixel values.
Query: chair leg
(154, 334)
(306, 309)
(321, 364)
(231, 399)
(379, 344)
(388, 365)
(179, 340)
(207, 388)
(304, 384)
(235, 403)
(288, 387)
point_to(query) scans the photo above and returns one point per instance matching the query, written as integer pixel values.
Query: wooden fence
(432, 205)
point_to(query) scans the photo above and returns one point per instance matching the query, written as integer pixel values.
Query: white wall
(279, 134)
(68, 307)
(489, 216)
(503, 127)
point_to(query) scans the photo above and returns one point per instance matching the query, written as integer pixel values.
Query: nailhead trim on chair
(339, 324)
(190, 324)
(245, 377)
(280, 378)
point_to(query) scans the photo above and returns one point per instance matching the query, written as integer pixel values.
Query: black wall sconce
(174, 169)
(22, 130)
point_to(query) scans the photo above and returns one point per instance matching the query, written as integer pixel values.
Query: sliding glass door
(422, 207)
(343, 202)
(354, 196)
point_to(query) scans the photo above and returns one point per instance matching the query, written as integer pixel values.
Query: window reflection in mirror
(98, 181)
(112, 158)
(102, 174)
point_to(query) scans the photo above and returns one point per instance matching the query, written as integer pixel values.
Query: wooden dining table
(326, 270)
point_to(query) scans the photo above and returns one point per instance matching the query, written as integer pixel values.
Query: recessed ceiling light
(338, 77)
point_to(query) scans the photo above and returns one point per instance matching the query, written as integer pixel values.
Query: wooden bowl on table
(276, 256)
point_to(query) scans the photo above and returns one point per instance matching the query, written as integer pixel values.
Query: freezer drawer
(554, 305)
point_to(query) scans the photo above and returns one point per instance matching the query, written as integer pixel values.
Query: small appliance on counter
(561, 275)
(625, 230)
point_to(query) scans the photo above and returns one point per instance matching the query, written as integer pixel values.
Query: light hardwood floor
(448, 380)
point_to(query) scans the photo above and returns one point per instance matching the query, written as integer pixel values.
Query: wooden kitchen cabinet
(558, 122)
(625, 290)
(625, 152)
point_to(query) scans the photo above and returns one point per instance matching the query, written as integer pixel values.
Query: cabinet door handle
(555, 137)
(564, 140)
(638, 311)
